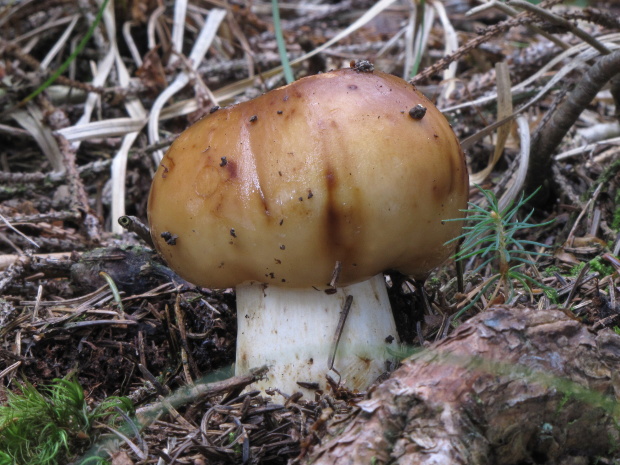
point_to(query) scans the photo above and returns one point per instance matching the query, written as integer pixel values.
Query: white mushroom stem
(292, 331)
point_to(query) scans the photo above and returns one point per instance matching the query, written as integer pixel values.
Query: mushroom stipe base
(291, 331)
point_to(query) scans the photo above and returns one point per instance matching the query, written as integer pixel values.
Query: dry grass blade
(576, 56)
(113, 127)
(504, 107)
(59, 44)
(103, 70)
(555, 79)
(416, 37)
(451, 44)
(8, 370)
(138, 114)
(31, 119)
(5, 221)
(153, 24)
(202, 44)
(141, 455)
(504, 111)
(178, 28)
(516, 185)
(131, 43)
(587, 149)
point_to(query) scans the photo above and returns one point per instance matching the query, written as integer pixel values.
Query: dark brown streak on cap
(151, 204)
(232, 169)
(263, 200)
(458, 167)
(168, 164)
(451, 174)
(332, 217)
(339, 223)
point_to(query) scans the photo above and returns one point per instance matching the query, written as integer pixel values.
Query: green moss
(615, 222)
(596, 264)
(51, 424)
(603, 269)
(604, 178)
(550, 270)
(575, 270)
(552, 294)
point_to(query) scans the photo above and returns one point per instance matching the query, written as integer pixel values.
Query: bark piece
(509, 386)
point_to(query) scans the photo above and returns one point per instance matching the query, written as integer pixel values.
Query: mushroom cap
(330, 169)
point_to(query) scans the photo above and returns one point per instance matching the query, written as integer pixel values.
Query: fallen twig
(9, 259)
(550, 136)
(486, 35)
(151, 413)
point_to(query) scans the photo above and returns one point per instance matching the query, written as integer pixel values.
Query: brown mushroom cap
(331, 168)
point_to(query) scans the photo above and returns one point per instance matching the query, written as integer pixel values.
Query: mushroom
(302, 197)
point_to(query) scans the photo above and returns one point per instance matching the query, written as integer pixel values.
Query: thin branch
(596, 16)
(189, 394)
(558, 21)
(522, 19)
(550, 136)
(134, 225)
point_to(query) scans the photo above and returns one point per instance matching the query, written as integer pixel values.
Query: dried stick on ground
(79, 197)
(509, 386)
(189, 394)
(547, 138)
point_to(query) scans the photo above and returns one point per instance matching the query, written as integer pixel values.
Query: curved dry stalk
(417, 34)
(202, 44)
(60, 43)
(550, 136)
(31, 119)
(504, 111)
(138, 115)
(517, 183)
(451, 45)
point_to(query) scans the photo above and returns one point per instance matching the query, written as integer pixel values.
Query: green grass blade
(71, 58)
(277, 25)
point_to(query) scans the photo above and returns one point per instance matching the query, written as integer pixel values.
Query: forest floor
(82, 121)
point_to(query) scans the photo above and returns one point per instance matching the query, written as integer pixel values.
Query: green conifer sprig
(490, 234)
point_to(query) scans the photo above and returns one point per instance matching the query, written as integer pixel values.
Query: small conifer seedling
(490, 235)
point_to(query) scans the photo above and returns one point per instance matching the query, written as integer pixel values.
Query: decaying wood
(509, 386)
